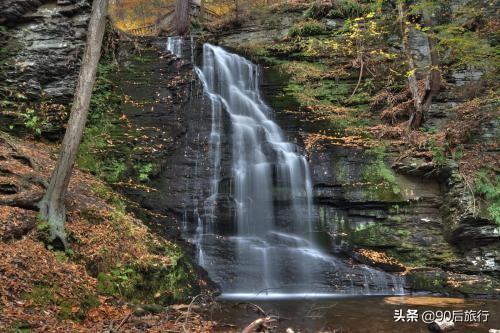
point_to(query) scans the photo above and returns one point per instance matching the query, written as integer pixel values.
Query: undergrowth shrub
(347, 9)
(490, 191)
(307, 28)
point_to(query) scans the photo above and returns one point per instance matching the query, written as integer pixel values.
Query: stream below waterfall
(255, 227)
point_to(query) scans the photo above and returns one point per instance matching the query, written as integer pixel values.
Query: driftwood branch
(189, 311)
(259, 325)
(360, 77)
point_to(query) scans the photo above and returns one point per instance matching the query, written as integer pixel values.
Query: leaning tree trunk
(421, 99)
(52, 207)
(181, 18)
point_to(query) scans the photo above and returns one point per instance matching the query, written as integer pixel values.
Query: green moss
(466, 49)
(487, 286)
(106, 193)
(310, 88)
(255, 51)
(438, 152)
(92, 215)
(445, 283)
(152, 282)
(374, 236)
(488, 187)
(104, 129)
(41, 295)
(341, 171)
(144, 171)
(381, 180)
(142, 284)
(408, 254)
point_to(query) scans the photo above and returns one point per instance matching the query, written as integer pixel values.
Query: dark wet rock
(225, 213)
(425, 169)
(13, 10)
(45, 42)
(469, 229)
(406, 225)
(476, 234)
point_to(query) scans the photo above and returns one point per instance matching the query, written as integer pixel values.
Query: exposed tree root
(25, 200)
(19, 186)
(17, 154)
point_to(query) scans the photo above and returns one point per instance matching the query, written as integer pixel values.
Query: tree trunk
(202, 10)
(421, 100)
(181, 17)
(237, 9)
(52, 207)
(417, 116)
(433, 83)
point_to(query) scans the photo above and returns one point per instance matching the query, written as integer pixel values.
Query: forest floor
(95, 285)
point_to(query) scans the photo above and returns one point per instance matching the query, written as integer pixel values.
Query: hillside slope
(114, 269)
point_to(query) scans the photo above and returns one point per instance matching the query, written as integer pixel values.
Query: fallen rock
(441, 326)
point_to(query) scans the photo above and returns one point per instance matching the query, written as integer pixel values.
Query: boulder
(441, 326)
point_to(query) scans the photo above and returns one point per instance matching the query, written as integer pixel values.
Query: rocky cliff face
(42, 44)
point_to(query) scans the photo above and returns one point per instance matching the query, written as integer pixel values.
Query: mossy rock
(381, 180)
(433, 281)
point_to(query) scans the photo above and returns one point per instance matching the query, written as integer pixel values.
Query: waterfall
(262, 159)
(256, 234)
(175, 44)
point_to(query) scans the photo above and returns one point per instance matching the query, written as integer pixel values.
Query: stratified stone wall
(42, 44)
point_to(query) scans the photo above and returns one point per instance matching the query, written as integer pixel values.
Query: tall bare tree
(52, 208)
(181, 17)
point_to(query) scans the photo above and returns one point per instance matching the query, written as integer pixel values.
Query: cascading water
(256, 235)
(174, 45)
